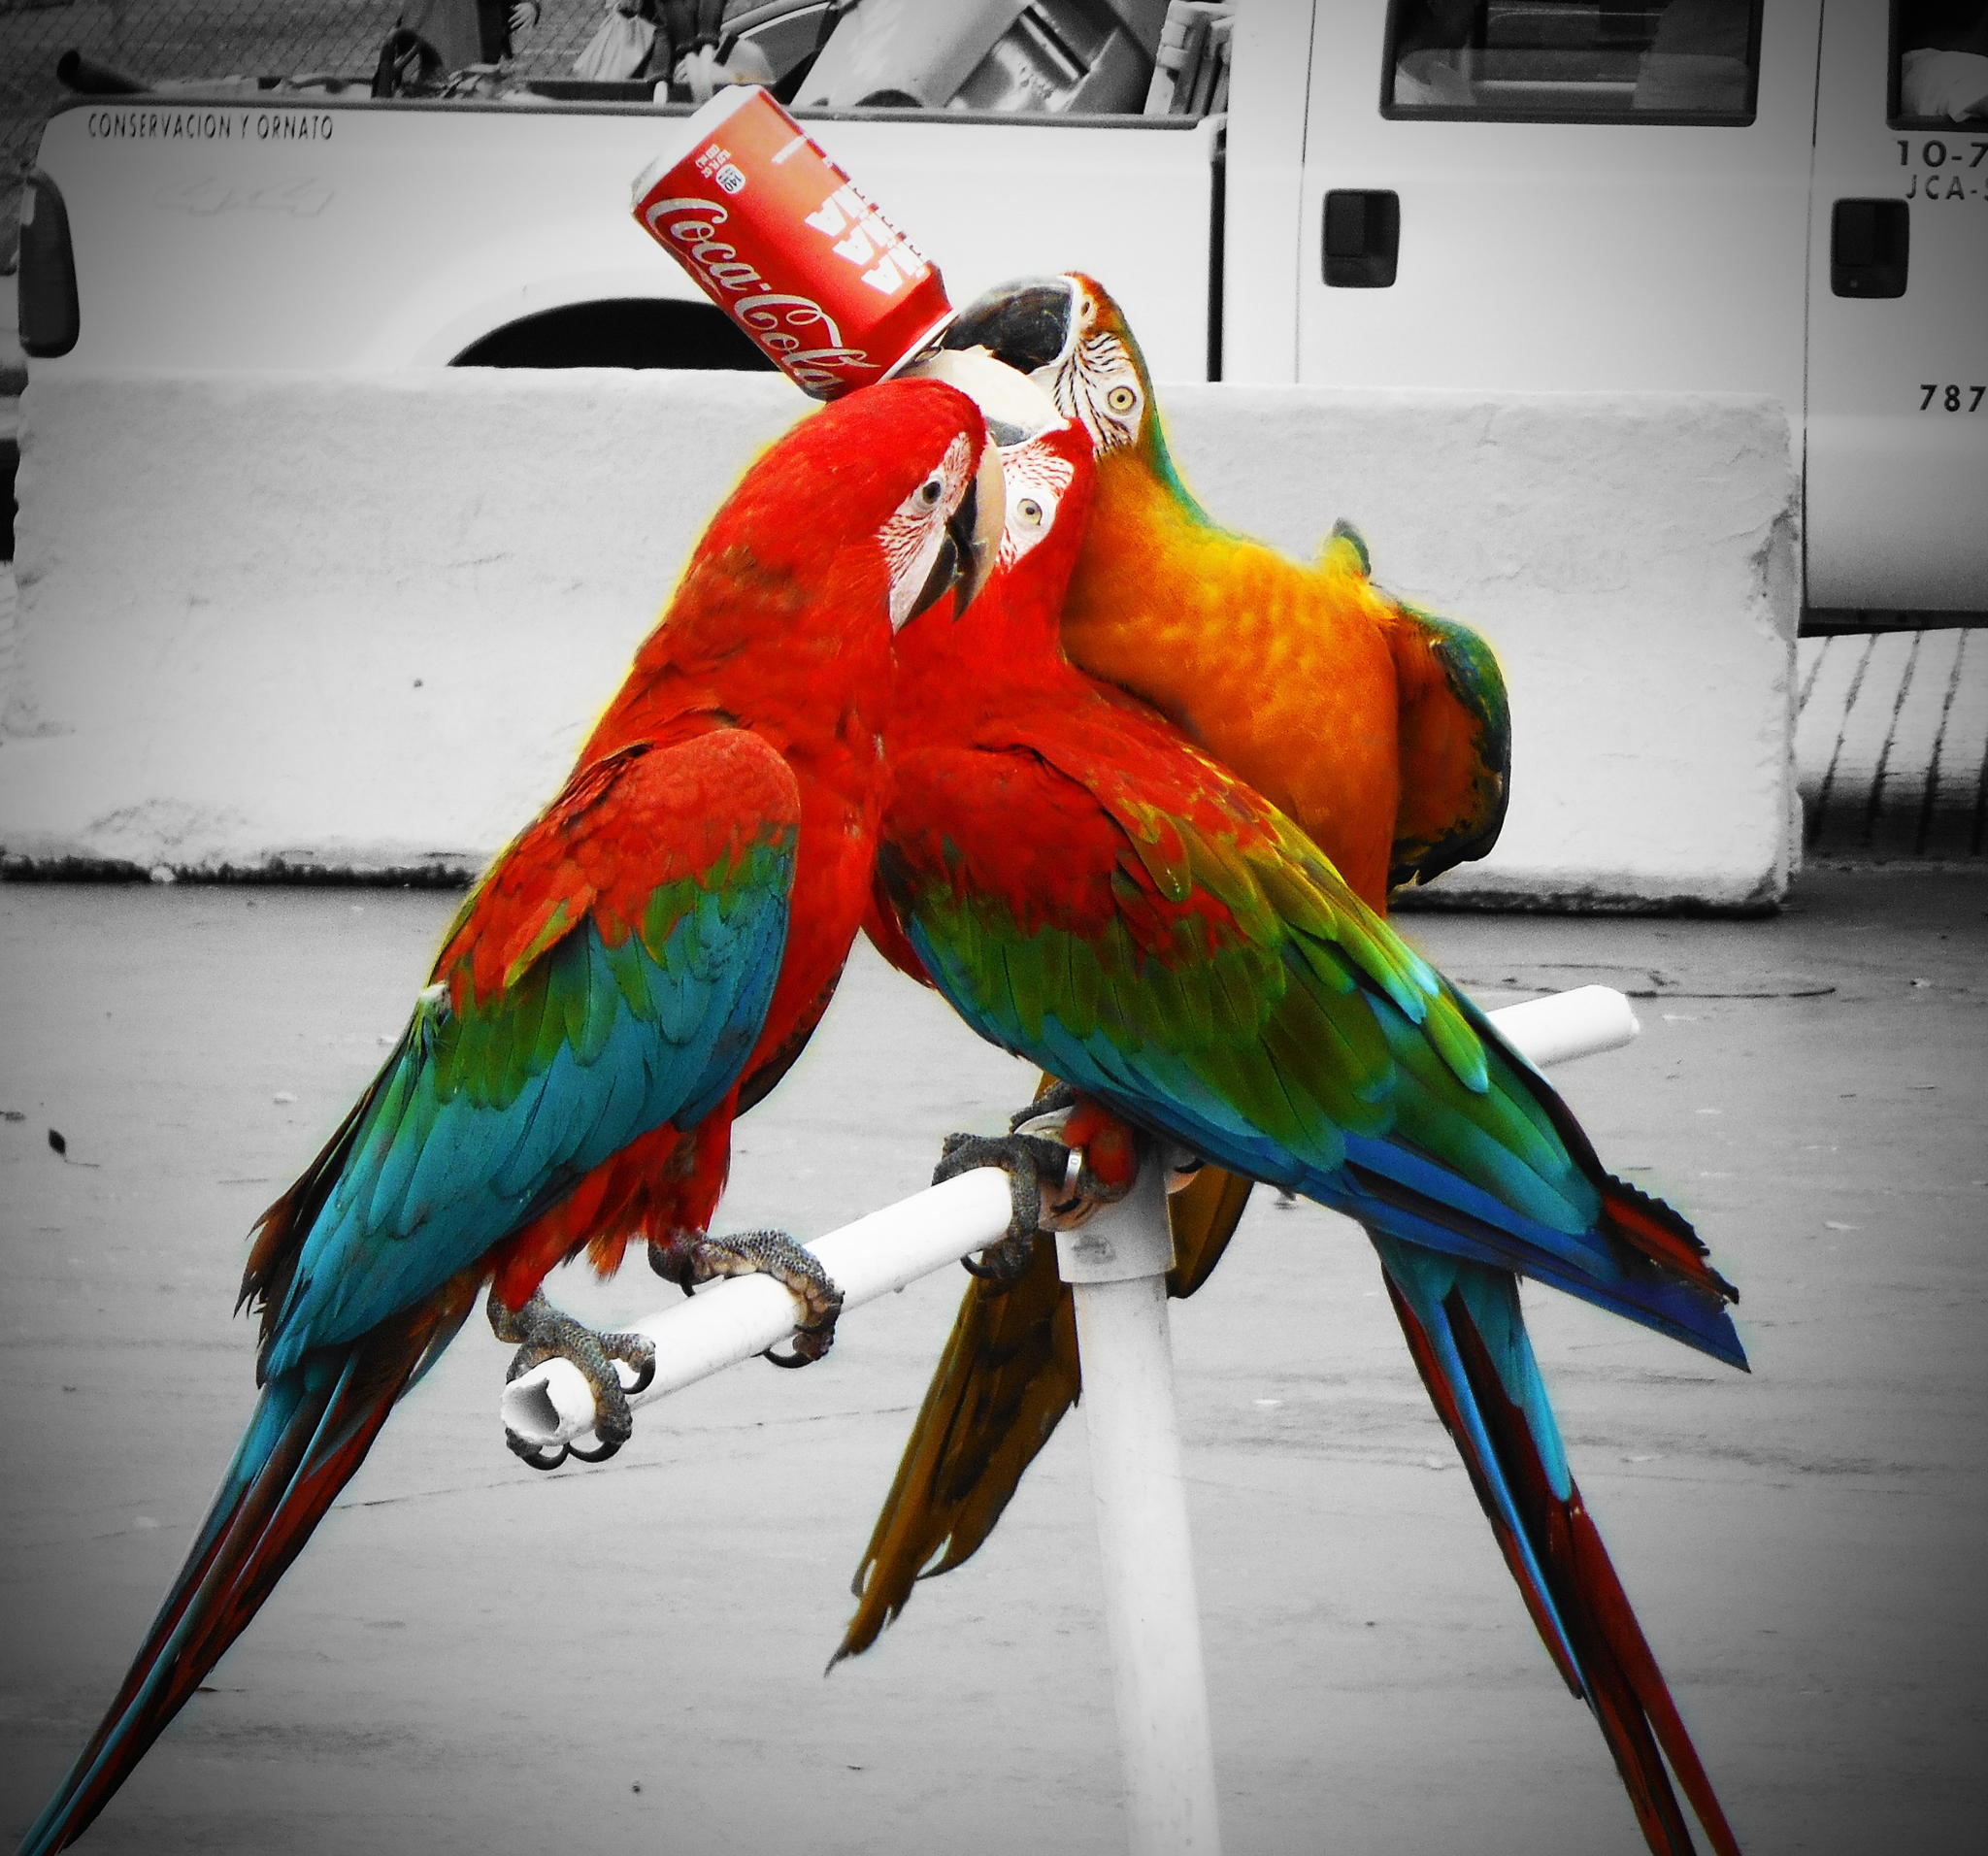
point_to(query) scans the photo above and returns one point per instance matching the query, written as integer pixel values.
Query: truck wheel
(627, 332)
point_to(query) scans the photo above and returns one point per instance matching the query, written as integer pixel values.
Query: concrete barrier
(1635, 560)
(361, 622)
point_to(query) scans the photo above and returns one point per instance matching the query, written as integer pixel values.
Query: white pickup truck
(1754, 196)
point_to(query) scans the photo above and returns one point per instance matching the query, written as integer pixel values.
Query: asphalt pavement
(472, 1657)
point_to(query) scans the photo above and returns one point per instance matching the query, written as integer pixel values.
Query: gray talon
(546, 1334)
(690, 1259)
(672, 1262)
(1056, 1100)
(1033, 1165)
(531, 1454)
(586, 1456)
(1005, 1263)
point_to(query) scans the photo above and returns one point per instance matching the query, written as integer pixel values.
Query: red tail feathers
(1614, 1667)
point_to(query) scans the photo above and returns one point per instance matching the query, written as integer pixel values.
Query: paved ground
(472, 1658)
(1892, 744)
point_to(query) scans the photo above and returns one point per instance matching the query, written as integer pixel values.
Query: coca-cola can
(782, 241)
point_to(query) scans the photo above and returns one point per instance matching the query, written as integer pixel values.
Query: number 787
(1952, 400)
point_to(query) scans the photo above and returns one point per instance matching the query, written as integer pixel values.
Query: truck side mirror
(50, 319)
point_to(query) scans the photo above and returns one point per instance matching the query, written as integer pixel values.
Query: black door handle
(1869, 245)
(1362, 234)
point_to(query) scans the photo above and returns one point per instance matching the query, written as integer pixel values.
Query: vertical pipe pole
(1116, 1264)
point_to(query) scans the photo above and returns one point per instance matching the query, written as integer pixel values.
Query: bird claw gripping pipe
(1052, 1184)
(547, 1334)
(774, 1253)
(1036, 1167)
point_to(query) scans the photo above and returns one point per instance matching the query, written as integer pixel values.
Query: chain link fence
(169, 41)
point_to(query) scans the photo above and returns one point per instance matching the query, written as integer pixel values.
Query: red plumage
(734, 784)
(1051, 801)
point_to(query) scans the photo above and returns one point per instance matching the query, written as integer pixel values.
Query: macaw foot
(1064, 1156)
(548, 1334)
(1039, 1169)
(691, 1258)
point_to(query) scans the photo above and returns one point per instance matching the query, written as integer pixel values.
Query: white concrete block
(1634, 561)
(362, 621)
(340, 621)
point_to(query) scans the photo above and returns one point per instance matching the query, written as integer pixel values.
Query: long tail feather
(311, 1431)
(1466, 1333)
(1006, 1377)
(1628, 1283)
(1008, 1373)
(1648, 1224)
(1204, 1216)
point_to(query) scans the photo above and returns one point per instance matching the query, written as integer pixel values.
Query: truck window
(1025, 57)
(1649, 61)
(1939, 63)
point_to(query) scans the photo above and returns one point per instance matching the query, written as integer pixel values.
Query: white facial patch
(916, 530)
(1037, 479)
(1098, 384)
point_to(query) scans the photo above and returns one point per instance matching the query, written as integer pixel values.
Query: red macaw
(1090, 891)
(1381, 729)
(639, 960)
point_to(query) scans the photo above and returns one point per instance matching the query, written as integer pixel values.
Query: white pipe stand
(1116, 1264)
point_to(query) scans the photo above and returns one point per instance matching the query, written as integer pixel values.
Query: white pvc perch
(1116, 1265)
(735, 1319)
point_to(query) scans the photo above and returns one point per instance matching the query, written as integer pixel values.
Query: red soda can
(781, 239)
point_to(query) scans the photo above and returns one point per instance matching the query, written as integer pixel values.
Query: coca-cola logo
(796, 331)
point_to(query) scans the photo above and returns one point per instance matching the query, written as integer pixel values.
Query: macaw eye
(1122, 399)
(931, 491)
(1030, 512)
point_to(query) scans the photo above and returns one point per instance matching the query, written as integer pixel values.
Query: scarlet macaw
(1091, 892)
(1380, 729)
(640, 959)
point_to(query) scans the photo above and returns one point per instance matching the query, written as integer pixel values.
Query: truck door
(1898, 312)
(1547, 194)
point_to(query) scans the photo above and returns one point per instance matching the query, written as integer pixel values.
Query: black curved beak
(944, 574)
(973, 539)
(1027, 323)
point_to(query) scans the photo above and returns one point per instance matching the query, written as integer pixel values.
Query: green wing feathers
(1218, 955)
(610, 974)
(1223, 985)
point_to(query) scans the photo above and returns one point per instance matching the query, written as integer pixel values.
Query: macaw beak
(979, 522)
(1029, 323)
(973, 539)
